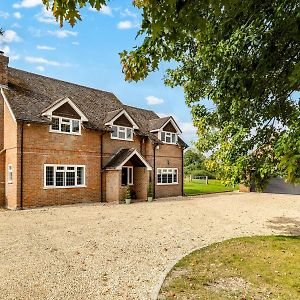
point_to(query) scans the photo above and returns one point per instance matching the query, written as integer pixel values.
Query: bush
(210, 175)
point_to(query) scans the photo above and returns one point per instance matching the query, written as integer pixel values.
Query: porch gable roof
(123, 156)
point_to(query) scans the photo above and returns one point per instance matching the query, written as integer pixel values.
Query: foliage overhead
(66, 10)
(242, 56)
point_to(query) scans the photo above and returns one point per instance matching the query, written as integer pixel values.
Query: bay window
(167, 176)
(64, 176)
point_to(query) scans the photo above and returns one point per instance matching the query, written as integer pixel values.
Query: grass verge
(244, 268)
(197, 187)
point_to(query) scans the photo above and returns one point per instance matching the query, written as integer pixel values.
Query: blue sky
(88, 53)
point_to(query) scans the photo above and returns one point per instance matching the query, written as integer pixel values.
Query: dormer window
(122, 125)
(166, 130)
(122, 133)
(65, 117)
(168, 137)
(65, 125)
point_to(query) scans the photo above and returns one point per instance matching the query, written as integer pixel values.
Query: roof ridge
(140, 108)
(64, 81)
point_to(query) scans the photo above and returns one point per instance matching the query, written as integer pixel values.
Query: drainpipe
(154, 171)
(22, 164)
(182, 173)
(101, 167)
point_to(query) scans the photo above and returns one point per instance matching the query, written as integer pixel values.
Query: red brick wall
(43, 147)
(11, 145)
(2, 154)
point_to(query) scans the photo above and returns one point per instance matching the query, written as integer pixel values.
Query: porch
(127, 168)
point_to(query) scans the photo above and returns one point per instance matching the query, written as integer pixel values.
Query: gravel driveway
(119, 251)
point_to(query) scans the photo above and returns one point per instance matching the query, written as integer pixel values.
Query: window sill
(67, 133)
(167, 183)
(114, 138)
(63, 187)
(165, 143)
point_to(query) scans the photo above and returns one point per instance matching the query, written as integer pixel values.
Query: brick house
(63, 143)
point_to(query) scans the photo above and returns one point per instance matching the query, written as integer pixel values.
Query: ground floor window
(167, 176)
(64, 176)
(127, 175)
(9, 173)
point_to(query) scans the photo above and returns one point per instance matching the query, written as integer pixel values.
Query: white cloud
(17, 15)
(187, 128)
(106, 10)
(162, 115)
(15, 25)
(41, 60)
(128, 13)
(152, 100)
(46, 16)
(45, 61)
(42, 47)
(7, 51)
(75, 43)
(14, 57)
(127, 25)
(62, 33)
(27, 3)
(4, 14)
(40, 68)
(9, 36)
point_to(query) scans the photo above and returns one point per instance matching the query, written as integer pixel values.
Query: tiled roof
(29, 95)
(119, 158)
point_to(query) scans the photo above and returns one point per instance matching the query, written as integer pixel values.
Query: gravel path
(121, 252)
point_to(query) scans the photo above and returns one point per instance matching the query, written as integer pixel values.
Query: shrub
(128, 192)
(210, 175)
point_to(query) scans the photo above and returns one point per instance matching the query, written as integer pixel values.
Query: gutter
(154, 171)
(101, 167)
(182, 173)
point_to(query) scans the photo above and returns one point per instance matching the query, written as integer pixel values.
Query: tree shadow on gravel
(285, 225)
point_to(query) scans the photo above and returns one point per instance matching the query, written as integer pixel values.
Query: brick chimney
(3, 69)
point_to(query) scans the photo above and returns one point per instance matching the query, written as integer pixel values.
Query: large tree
(240, 56)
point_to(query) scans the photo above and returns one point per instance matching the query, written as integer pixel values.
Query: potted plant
(128, 195)
(150, 193)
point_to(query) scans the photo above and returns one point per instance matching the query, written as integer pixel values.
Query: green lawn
(242, 269)
(199, 187)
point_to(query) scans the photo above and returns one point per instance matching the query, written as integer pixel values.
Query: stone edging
(156, 289)
(169, 268)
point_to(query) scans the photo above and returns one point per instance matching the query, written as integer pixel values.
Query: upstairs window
(122, 133)
(66, 125)
(168, 137)
(64, 176)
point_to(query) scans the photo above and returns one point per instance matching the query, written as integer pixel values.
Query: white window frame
(62, 122)
(169, 134)
(167, 171)
(9, 174)
(122, 129)
(55, 166)
(129, 178)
